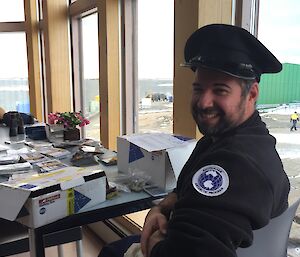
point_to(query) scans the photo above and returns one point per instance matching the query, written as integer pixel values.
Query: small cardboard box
(159, 155)
(38, 199)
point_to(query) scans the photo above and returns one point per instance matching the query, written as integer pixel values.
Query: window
(155, 66)
(90, 74)
(278, 29)
(280, 93)
(14, 90)
(86, 71)
(152, 63)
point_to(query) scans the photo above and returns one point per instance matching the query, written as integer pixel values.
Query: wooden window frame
(109, 64)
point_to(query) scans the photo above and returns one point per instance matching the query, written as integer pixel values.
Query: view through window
(90, 95)
(278, 29)
(155, 71)
(14, 90)
(155, 65)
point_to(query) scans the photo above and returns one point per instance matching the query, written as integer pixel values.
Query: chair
(272, 240)
(14, 239)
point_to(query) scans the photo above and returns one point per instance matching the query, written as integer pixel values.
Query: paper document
(15, 168)
(34, 157)
(18, 151)
(9, 159)
(156, 141)
(54, 152)
(50, 165)
(3, 148)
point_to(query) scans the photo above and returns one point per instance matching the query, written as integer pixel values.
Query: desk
(123, 204)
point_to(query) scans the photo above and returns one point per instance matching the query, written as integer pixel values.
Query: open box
(38, 199)
(159, 155)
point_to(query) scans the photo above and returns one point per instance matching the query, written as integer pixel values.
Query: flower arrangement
(69, 119)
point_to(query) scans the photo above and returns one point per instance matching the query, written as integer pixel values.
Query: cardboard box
(39, 199)
(159, 155)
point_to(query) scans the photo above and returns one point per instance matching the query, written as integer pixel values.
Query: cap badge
(211, 180)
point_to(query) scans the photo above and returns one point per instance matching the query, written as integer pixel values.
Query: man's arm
(156, 220)
(203, 225)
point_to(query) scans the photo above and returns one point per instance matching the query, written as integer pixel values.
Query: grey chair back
(272, 240)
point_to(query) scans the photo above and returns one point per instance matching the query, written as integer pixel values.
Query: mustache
(210, 110)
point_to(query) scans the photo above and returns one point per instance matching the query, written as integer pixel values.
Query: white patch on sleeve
(211, 180)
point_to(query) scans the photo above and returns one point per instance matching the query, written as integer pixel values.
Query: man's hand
(155, 221)
(156, 237)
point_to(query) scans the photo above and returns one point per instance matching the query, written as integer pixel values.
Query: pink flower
(68, 119)
(52, 118)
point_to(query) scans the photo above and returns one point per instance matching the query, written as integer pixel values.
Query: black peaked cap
(229, 49)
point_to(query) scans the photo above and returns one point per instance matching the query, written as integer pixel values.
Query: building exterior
(281, 88)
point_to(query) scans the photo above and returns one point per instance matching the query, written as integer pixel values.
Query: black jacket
(216, 225)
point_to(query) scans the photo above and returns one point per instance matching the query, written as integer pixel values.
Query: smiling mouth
(209, 115)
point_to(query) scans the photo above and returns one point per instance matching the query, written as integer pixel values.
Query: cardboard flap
(13, 199)
(178, 156)
(72, 183)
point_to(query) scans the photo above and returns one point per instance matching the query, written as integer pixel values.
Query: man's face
(217, 102)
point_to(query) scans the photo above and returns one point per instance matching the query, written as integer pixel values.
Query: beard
(224, 123)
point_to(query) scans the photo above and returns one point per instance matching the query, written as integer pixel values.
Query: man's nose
(206, 100)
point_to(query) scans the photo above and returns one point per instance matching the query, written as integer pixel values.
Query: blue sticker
(27, 186)
(182, 138)
(135, 153)
(80, 201)
(211, 180)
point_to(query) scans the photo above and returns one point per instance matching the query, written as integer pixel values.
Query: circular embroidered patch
(211, 180)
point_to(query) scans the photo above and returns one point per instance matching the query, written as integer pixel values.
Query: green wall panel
(279, 88)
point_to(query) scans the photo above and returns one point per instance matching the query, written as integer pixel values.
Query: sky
(155, 38)
(90, 46)
(279, 30)
(13, 59)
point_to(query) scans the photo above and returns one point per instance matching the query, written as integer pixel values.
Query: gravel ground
(288, 147)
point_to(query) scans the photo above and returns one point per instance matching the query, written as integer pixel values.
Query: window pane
(14, 91)
(12, 10)
(155, 65)
(280, 93)
(90, 72)
(278, 29)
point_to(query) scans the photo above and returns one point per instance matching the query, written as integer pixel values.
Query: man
(294, 120)
(234, 180)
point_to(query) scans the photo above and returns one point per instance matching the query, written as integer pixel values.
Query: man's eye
(221, 91)
(197, 89)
